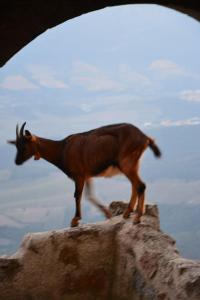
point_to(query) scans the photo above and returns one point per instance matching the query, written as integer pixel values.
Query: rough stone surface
(21, 21)
(109, 260)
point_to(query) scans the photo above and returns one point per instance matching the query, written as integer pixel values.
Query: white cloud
(172, 123)
(86, 107)
(130, 76)
(185, 122)
(46, 77)
(17, 82)
(93, 79)
(166, 66)
(191, 95)
(102, 102)
(147, 124)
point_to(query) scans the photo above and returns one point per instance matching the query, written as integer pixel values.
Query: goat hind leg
(141, 202)
(92, 199)
(131, 204)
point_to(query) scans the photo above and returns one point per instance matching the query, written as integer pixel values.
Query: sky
(133, 63)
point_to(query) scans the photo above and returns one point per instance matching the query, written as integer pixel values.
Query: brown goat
(105, 151)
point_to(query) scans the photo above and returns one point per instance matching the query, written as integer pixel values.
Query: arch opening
(109, 74)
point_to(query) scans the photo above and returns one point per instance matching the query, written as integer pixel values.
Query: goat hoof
(75, 222)
(136, 220)
(107, 213)
(126, 214)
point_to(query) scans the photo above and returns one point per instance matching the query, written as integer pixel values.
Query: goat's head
(25, 144)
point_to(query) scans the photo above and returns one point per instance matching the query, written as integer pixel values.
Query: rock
(107, 260)
(117, 207)
(8, 267)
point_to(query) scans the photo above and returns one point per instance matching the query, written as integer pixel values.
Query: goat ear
(28, 135)
(12, 142)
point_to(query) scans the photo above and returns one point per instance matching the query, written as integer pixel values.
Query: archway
(21, 22)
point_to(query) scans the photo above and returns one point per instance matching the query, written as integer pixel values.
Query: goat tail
(154, 147)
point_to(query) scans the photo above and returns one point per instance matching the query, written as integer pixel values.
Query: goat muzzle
(37, 156)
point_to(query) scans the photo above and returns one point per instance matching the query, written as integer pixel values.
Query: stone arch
(22, 21)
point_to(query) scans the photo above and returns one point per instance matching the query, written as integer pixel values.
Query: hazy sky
(137, 63)
(134, 63)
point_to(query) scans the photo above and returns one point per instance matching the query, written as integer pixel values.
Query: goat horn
(17, 131)
(22, 130)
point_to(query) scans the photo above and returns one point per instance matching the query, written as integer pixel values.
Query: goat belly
(109, 172)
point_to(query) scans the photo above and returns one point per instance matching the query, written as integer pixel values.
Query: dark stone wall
(21, 21)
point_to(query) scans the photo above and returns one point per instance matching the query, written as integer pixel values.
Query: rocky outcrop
(22, 21)
(109, 260)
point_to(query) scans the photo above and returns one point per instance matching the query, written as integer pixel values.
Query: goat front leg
(79, 184)
(91, 198)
